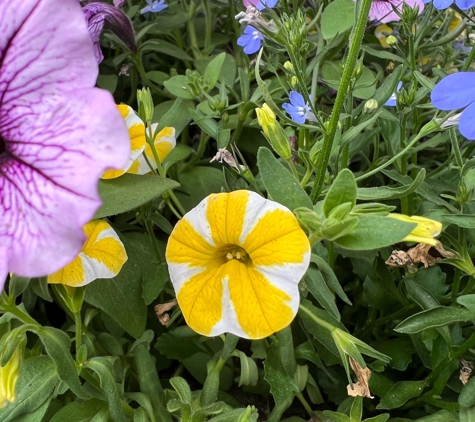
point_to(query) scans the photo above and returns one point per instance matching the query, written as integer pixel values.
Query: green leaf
(318, 288)
(37, 379)
(178, 86)
(337, 17)
(388, 87)
(249, 373)
(182, 388)
(282, 386)
(336, 416)
(80, 411)
(177, 154)
(170, 116)
(436, 317)
(466, 221)
(400, 393)
(279, 182)
(58, 344)
(166, 48)
(467, 395)
(150, 383)
(212, 71)
(384, 55)
(37, 415)
(178, 344)
(129, 191)
(356, 411)
(330, 277)
(466, 414)
(121, 296)
(17, 285)
(102, 366)
(343, 189)
(374, 232)
(365, 86)
(199, 182)
(385, 193)
(468, 301)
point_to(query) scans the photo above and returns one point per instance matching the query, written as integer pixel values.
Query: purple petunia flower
(444, 4)
(298, 109)
(154, 7)
(251, 40)
(100, 16)
(454, 92)
(392, 101)
(57, 135)
(382, 10)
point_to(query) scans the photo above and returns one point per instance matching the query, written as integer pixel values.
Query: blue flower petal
(297, 99)
(442, 4)
(465, 4)
(253, 46)
(467, 122)
(454, 91)
(426, 1)
(244, 40)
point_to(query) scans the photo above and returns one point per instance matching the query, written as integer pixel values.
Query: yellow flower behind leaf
(164, 142)
(235, 261)
(8, 378)
(102, 256)
(425, 231)
(382, 32)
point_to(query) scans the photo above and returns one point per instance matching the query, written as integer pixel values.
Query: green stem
(456, 146)
(356, 38)
(192, 30)
(304, 403)
(19, 314)
(201, 149)
(78, 322)
(208, 23)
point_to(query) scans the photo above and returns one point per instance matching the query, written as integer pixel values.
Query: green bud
(289, 66)
(145, 101)
(308, 218)
(273, 131)
(333, 229)
(391, 40)
(370, 106)
(209, 394)
(340, 212)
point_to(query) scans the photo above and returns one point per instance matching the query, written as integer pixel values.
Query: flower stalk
(356, 38)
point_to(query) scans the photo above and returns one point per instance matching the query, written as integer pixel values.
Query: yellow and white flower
(235, 261)
(164, 142)
(425, 230)
(102, 256)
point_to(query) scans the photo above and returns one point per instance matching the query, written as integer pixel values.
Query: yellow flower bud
(289, 66)
(370, 106)
(266, 118)
(391, 40)
(294, 81)
(273, 131)
(8, 378)
(425, 231)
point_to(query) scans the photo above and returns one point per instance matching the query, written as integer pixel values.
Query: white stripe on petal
(181, 273)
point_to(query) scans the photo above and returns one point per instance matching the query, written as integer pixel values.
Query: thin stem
(304, 402)
(456, 146)
(78, 323)
(19, 314)
(356, 38)
(208, 23)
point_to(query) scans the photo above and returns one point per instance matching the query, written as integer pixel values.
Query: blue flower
(392, 101)
(298, 109)
(454, 92)
(154, 7)
(251, 40)
(443, 4)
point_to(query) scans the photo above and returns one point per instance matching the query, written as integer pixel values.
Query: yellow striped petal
(102, 256)
(137, 140)
(165, 141)
(235, 261)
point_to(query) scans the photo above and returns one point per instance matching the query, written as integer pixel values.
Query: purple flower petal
(454, 91)
(466, 123)
(102, 16)
(297, 99)
(57, 135)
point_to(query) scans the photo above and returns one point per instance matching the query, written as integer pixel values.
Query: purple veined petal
(465, 4)
(442, 4)
(467, 122)
(49, 173)
(454, 91)
(3, 266)
(383, 12)
(101, 16)
(57, 134)
(41, 39)
(118, 3)
(297, 99)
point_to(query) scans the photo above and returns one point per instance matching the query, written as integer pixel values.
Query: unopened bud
(391, 40)
(294, 82)
(144, 98)
(370, 106)
(289, 66)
